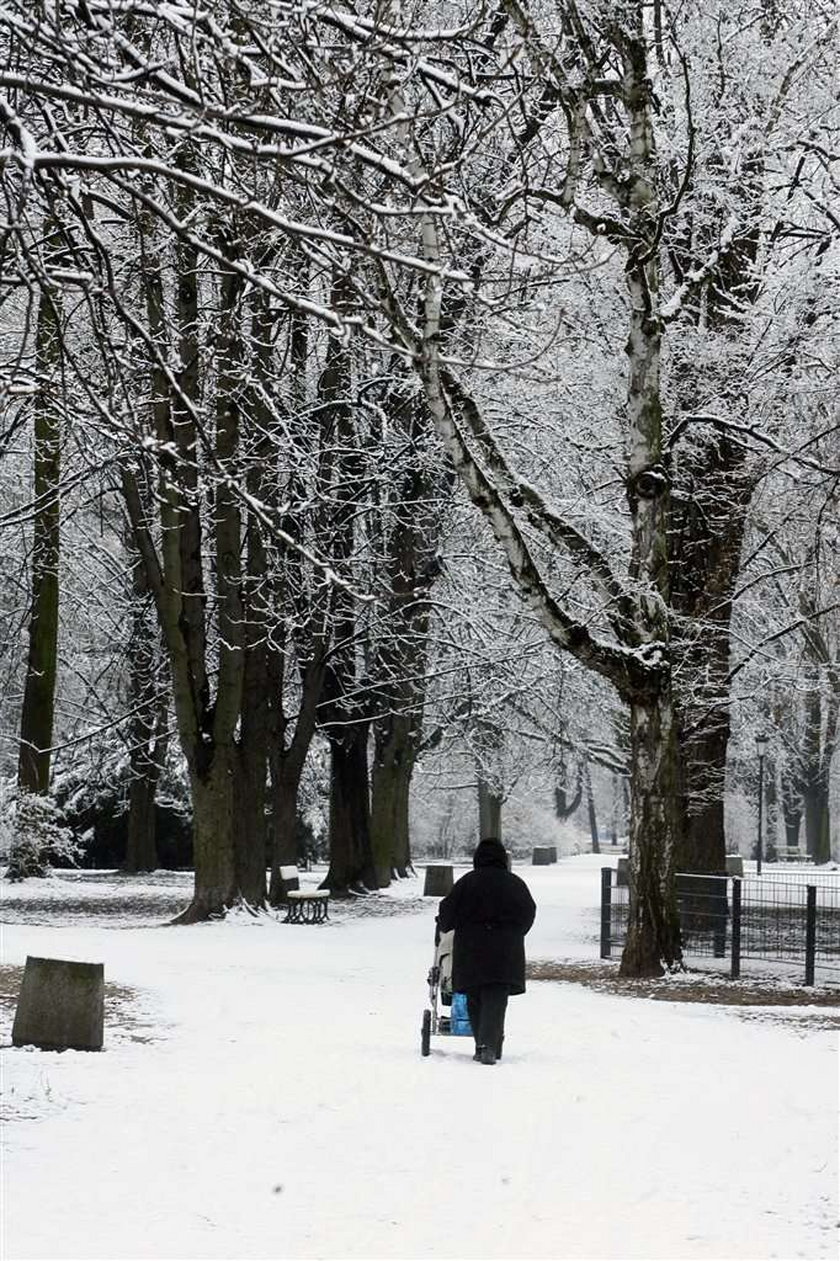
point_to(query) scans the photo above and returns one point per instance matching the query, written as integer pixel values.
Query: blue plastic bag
(459, 1021)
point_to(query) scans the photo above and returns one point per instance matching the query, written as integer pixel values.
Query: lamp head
(761, 743)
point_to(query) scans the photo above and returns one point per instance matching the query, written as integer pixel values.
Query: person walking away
(490, 910)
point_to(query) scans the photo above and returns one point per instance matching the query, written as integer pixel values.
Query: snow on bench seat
(307, 906)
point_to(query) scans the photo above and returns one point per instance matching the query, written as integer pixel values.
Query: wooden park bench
(792, 854)
(307, 906)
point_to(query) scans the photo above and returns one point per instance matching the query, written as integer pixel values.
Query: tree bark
(402, 843)
(590, 810)
(564, 806)
(818, 822)
(653, 931)
(345, 718)
(489, 809)
(206, 721)
(251, 842)
(351, 857)
(213, 799)
(37, 713)
(141, 844)
(147, 732)
(393, 764)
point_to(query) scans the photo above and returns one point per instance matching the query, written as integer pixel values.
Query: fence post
(810, 933)
(606, 909)
(736, 928)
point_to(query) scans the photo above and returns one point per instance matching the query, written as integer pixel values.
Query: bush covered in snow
(37, 835)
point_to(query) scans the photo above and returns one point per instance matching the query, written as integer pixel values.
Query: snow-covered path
(285, 1111)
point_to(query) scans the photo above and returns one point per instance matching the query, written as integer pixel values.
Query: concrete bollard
(438, 882)
(61, 1006)
(544, 855)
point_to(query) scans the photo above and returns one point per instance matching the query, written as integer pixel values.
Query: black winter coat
(490, 910)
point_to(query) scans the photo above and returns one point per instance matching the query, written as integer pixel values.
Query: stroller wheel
(426, 1033)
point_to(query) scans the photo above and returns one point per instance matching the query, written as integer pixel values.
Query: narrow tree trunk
(252, 767)
(251, 849)
(37, 714)
(564, 805)
(147, 728)
(653, 934)
(771, 798)
(402, 842)
(285, 785)
(617, 815)
(489, 810)
(792, 813)
(590, 810)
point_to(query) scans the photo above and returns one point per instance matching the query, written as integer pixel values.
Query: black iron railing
(784, 918)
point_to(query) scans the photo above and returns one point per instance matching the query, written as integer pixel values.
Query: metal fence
(789, 918)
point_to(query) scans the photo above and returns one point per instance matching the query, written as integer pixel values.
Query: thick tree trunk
(141, 846)
(393, 765)
(213, 799)
(653, 933)
(706, 563)
(701, 844)
(817, 822)
(37, 713)
(351, 856)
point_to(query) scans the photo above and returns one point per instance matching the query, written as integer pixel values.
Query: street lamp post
(761, 746)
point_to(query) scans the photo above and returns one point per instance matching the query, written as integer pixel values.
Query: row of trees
(292, 283)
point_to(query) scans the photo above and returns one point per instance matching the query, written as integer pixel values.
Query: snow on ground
(281, 1108)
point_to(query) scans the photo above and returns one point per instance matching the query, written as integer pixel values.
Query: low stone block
(544, 855)
(61, 1006)
(734, 865)
(438, 882)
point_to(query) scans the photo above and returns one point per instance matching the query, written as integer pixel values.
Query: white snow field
(266, 1098)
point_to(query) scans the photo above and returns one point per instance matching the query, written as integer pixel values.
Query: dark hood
(490, 853)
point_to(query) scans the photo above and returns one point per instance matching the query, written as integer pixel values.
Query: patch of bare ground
(751, 998)
(123, 1018)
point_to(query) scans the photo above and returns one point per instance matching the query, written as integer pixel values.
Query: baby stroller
(457, 1023)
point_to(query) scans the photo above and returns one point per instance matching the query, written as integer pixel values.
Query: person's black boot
(478, 1050)
(488, 1055)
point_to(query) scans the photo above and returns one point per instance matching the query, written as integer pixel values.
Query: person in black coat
(490, 910)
